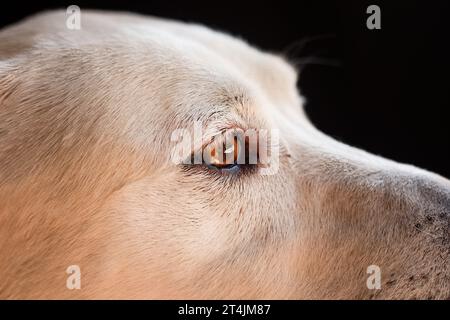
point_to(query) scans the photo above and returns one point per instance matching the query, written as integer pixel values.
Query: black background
(280, 309)
(386, 91)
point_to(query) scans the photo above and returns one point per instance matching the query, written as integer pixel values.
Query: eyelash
(237, 170)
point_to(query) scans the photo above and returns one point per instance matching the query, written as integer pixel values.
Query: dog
(86, 131)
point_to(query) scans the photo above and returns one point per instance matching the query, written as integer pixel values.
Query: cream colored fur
(85, 176)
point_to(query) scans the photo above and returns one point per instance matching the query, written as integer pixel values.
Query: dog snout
(436, 193)
(433, 199)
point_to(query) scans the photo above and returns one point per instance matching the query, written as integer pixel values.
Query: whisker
(294, 53)
(296, 48)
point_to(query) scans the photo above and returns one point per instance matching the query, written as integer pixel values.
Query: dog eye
(224, 157)
(231, 151)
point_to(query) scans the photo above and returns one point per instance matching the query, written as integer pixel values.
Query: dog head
(90, 122)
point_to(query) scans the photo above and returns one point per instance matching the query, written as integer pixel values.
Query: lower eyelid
(230, 168)
(237, 171)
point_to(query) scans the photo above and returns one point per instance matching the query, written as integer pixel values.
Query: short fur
(85, 123)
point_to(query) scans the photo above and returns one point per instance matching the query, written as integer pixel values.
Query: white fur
(86, 119)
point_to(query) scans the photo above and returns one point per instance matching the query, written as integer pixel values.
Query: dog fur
(85, 177)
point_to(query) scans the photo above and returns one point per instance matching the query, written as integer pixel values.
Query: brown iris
(220, 155)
